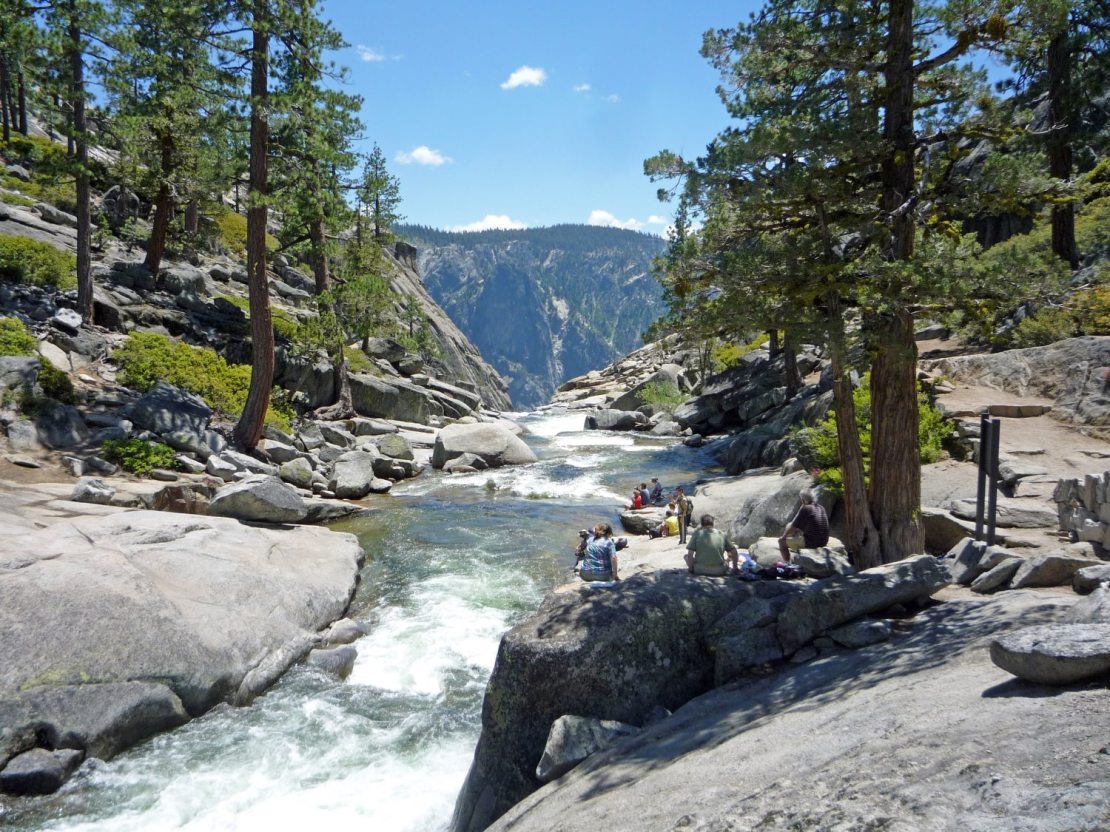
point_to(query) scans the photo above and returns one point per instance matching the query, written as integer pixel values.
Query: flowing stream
(453, 562)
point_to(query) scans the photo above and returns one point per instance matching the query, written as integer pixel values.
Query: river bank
(451, 563)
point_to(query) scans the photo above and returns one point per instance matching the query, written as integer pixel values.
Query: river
(452, 563)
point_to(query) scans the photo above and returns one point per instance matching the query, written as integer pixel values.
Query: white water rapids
(453, 562)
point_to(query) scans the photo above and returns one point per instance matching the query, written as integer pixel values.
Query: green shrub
(816, 447)
(146, 358)
(138, 455)
(728, 354)
(662, 395)
(55, 383)
(15, 338)
(51, 175)
(1045, 326)
(23, 260)
(358, 361)
(231, 228)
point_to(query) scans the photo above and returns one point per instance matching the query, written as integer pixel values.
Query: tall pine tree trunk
(163, 208)
(192, 217)
(317, 237)
(861, 536)
(81, 158)
(895, 493)
(792, 379)
(21, 98)
(1060, 115)
(248, 430)
(6, 109)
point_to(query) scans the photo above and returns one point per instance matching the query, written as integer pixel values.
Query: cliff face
(544, 305)
(459, 359)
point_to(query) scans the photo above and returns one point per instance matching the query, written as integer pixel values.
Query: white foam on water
(537, 481)
(412, 650)
(549, 426)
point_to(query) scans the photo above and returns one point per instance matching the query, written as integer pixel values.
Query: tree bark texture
(248, 430)
(192, 218)
(895, 493)
(792, 379)
(81, 157)
(861, 536)
(1061, 114)
(21, 98)
(6, 109)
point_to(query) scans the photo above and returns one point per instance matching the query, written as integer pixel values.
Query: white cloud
(598, 217)
(526, 76)
(490, 221)
(369, 54)
(582, 88)
(422, 155)
(613, 99)
(655, 219)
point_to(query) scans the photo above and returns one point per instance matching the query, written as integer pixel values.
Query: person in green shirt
(705, 553)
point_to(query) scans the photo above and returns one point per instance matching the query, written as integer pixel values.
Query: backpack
(689, 507)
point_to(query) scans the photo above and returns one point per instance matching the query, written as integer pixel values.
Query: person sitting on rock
(809, 529)
(656, 492)
(645, 495)
(599, 563)
(637, 499)
(705, 553)
(669, 524)
(584, 537)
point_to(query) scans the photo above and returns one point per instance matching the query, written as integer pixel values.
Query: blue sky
(532, 112)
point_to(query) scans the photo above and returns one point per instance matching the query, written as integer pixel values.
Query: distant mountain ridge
(543, 304)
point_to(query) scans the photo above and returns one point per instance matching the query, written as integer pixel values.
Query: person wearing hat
(656, 492)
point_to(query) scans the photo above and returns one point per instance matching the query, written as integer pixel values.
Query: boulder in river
(492, 442)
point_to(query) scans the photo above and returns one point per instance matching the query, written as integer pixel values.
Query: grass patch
(285, 325)
(662, 396)
(358, 361)
(231, 230)
(23, 260)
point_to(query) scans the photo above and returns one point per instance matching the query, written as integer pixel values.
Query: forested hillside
(544, 304)
(140, 137)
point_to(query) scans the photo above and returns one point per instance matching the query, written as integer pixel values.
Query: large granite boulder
(1055, 654)
(394, 399)
(165, 409)
(754, 505)
(609, 655)
(492, 442)
(617, 420)
(120, 624)
(260, 498)
(652, 640)
(39, 771)
(61, 426)
(841, 598)
(353, 475)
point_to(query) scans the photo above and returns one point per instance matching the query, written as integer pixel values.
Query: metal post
(981, 477)
(992, 505)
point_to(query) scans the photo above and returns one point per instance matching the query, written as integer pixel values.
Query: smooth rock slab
(39, 771)
(1055, 654)
(574, 738)
(861, 633)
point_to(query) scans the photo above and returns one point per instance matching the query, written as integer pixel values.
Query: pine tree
(824, 204)
(379, 196)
